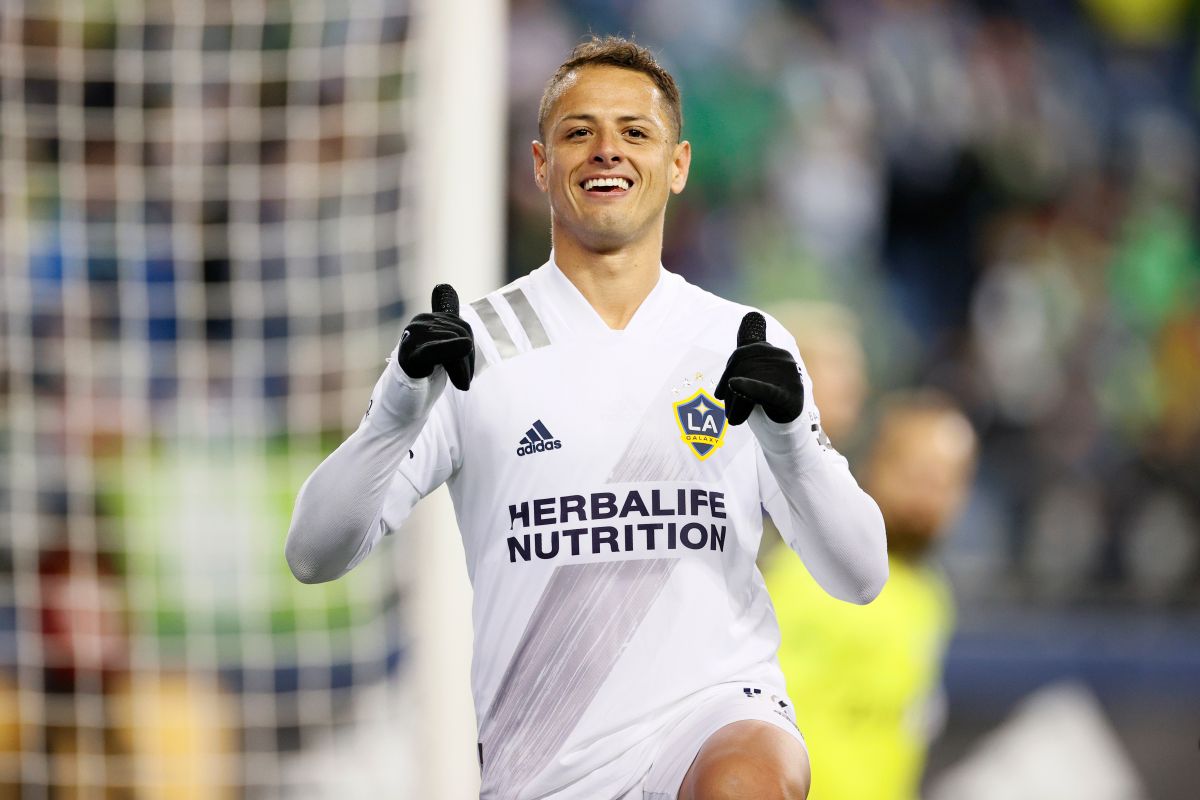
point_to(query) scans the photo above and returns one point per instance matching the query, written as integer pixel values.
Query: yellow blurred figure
(1145, 22)
(178, 730)
(865, 679)
(105, 730)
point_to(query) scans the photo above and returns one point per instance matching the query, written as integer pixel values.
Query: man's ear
(539, 164)
(680, 165)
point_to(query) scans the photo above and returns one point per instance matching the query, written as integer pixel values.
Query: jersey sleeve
(429, 462)
(432, 459)
(807, 488)
(340, 510)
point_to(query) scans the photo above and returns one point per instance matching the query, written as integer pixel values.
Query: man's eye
(637, 133)
(578, 133)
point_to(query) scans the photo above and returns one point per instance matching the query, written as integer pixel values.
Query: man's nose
(606, 151)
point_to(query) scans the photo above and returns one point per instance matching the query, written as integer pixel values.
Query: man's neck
(615, 284)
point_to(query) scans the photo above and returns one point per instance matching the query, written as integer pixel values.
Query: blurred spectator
(865, 679)
(106, 730)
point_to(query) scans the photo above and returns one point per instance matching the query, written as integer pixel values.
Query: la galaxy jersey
(610, 518)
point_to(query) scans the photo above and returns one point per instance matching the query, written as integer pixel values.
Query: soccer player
(608, 493)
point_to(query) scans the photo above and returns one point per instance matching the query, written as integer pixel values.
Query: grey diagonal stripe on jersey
(495, 327)
(582, 623)
(527, 317)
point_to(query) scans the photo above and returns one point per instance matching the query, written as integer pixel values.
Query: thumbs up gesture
(439, 338)
(759, 373)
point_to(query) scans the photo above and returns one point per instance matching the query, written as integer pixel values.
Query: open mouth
(606, 185)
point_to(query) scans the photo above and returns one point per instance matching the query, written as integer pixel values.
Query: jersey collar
(578, 314)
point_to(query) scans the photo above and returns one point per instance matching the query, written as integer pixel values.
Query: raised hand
(759, 373)
(439, 338)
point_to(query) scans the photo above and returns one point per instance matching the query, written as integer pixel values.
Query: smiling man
(608, 493)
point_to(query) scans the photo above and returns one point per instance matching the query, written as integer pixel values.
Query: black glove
(440, 337)
(758, 372)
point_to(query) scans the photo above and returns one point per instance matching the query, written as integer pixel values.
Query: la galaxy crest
(701, 421)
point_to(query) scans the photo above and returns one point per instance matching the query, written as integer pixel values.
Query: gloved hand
(759, 373)
(440, 337)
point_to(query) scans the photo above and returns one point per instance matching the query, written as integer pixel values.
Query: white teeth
(620, 183)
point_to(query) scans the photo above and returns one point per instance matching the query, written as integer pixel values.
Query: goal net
(204, 237)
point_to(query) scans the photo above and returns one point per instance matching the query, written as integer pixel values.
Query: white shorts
(679, 744)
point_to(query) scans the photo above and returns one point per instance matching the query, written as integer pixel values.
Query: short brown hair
(614, 51)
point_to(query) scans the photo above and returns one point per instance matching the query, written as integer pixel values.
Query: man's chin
(604, 245)
(607, 236)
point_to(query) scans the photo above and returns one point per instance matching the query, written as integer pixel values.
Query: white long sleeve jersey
(609, 515)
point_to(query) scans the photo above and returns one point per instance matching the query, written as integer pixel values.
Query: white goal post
(461, 105)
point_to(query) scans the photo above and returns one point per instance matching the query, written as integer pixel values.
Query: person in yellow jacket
(866, 679)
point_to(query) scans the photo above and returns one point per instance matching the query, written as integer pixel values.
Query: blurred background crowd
(205, 215)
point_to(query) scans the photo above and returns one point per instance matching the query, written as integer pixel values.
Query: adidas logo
(537, 439)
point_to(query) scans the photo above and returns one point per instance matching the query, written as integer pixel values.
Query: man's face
(920, 474)
(610, 159)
